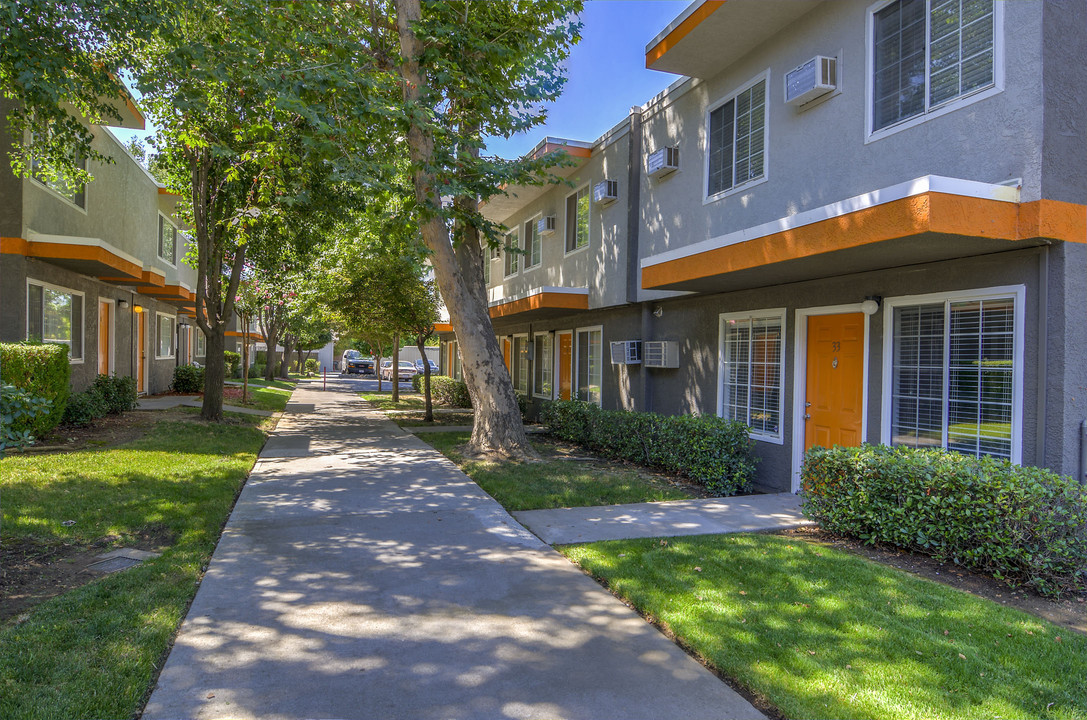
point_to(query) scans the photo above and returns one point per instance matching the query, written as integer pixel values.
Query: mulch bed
(1069, 612)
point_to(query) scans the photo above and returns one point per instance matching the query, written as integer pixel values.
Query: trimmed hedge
(188, 379)
(118, 393)
(444, 390)
(714, 452)
(1023, 524)
(233, 361)
(44, 372)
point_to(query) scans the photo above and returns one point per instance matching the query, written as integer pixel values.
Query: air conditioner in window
(661, 354)
(813, 79)
(606, 192)
(546, 225)
(626, 352)
(663, 162)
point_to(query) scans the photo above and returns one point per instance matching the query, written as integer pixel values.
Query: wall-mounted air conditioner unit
(546, 225)
(663, 162)
(661, 354)
(626, 352)
(813, 79)
(606, 192)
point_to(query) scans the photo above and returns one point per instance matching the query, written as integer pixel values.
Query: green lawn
(383, 400)
(271, 398)
(823, 633)
(287, 385)
(92, 652)
(554, 483)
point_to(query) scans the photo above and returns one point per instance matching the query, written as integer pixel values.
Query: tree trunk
(214, 373)
(420, 342)
(394, 375)
(498, 428)
(301, 361)
(285, 364)
(245, 359)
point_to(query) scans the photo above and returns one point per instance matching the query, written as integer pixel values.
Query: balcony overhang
(88, 256)
(542, 302)
(515, 197)
(709, 35)
(179, 294)
(150, 277)
(443, 328)
(925, 220)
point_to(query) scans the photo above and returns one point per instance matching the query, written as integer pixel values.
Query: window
(752, 348)
(954, 375)
(737, 140)
(513, 255)
(577, 220)
(589, 365)
(532, 244)
(167, 240)
(926, 53)
(55, 315)
(201, 342)
(165, 339)
(520, 363)
(486, 265)
(543, 354)
(72, 191)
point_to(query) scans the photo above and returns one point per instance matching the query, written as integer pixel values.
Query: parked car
(353, 362)
(420, 369)
(407, 370)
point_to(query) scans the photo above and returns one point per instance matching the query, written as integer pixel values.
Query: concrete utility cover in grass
(118, 560)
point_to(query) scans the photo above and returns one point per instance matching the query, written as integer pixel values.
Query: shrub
(1023, 524)
(523, 403)
(43, 371)
(118, 393)
(714, 452)
(85, 407)
(446, 391)
(256, 371)
(18, 406)
(312, 366)
(188, 379)
(233, 361)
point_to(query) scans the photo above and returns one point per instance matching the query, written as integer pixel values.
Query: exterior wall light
(137, 309)
(871, 304)
(122, 304)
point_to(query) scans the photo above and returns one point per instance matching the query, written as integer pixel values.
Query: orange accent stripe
(928, 212)
(542, 301)
(681, 31)
(69, 251)
(443, 328)
(168, 291)
(146, 278)
(14, 246)
(164, 191)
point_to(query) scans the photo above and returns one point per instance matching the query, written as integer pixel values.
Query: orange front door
(835, 380)
(105, 332)
(566, 364)
(506, 354)
(141, 353)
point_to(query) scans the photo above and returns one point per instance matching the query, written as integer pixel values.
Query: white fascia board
(910, 188)
(539, 291)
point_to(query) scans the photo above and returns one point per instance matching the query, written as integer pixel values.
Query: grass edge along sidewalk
(819, 632)
(95, 650)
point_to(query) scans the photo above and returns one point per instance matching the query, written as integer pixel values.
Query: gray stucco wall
(819, 155)
(1064, 79)
(11, 195)
(590, 267)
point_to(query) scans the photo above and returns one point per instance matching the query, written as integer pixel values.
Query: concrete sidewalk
(362, 575)
(744, 513)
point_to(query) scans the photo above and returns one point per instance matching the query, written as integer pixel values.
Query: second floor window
(928, 52)
(532, 245)
(737, 140)
(167, 241)
(513, 256)
(66, 187)
(577, 220)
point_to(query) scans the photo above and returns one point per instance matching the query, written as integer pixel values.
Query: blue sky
(606, 74)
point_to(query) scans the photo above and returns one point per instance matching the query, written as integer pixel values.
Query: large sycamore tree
(472, 70)
(248, 95)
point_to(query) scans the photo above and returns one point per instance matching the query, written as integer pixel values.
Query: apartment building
(844, 222)
(99, 267)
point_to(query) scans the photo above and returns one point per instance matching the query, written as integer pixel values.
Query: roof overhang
(925, 220)
(515, 197)
(540, 302)
(88, 256)
(709, 35)
(124, 104)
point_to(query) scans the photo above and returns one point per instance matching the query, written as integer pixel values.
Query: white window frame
(82, 317)
(173, 335)
(706, 197)
(722, 319)
(61, 196)
(514, 373)
(200, 342)
(566, 221)
(576, 363)
(872, 135)
(165, 220)
(514, 233)
(1018, 294)
(526, 243)
(535, 390)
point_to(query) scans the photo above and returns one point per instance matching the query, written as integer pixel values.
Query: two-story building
(845, 222)
(99, 267)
